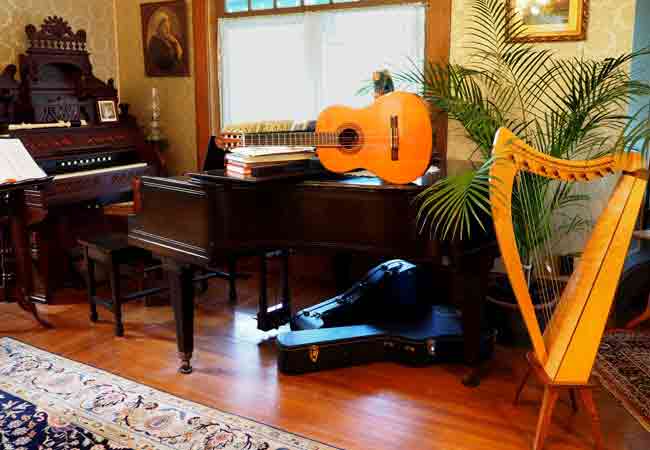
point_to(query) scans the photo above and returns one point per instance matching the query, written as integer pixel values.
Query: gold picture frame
(552, 20)
(165, 37)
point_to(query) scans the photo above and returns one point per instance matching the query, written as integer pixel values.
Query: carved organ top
(57, 76)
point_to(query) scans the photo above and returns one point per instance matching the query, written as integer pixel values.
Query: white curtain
(293, 66)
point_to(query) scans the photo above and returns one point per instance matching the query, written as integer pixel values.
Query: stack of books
(268, 161)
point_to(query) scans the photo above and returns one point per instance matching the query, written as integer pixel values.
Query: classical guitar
(391, 138)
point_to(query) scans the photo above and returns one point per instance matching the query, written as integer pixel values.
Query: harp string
(548, 280)
(535, 213)
(529, 231)
(556, 188)
(550, 307)
(530, 246)
(597, 192)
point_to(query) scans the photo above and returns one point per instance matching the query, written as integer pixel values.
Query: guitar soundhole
(349, 138)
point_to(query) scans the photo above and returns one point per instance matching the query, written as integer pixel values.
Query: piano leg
(286, 291)
(469, 283)
(232, 279)
(269, 318)
(181, 289)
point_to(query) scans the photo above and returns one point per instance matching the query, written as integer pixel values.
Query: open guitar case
(380, 318)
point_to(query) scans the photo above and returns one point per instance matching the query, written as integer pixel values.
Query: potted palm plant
(571, 108)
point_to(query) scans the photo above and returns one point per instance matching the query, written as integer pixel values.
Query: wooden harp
(565, 344)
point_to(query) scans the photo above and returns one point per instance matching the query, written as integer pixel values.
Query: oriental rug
(48, 402)
(623, 367)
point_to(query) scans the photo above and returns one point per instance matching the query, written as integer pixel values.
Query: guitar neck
(292, 139)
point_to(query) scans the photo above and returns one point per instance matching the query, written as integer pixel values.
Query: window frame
(276, 10)
(205, 17)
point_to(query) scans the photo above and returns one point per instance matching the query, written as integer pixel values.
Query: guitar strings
(321, 135)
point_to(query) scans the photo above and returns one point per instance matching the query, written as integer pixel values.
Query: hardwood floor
(378, 407)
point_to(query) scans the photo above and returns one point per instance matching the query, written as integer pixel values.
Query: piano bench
(113, 251)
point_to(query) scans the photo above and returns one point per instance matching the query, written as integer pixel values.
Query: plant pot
(504, 315)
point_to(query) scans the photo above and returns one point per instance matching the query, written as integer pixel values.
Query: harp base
(552, 392)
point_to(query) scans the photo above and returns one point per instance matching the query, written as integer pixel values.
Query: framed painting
(552, 20)
(165, 39)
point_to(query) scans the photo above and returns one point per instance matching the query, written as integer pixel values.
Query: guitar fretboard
(299, 139)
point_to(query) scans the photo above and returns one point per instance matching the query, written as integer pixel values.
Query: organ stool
(113, 251)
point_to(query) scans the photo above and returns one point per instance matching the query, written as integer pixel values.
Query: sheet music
(16, 163)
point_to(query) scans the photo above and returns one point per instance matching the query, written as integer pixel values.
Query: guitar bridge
(394, 139)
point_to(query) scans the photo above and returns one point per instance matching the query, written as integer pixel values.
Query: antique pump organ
(53, 111)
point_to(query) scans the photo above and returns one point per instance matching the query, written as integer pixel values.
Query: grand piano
(93, 162)
(192, 222)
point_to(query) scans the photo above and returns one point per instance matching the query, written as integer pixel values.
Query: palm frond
(457, 204)
(569, 108)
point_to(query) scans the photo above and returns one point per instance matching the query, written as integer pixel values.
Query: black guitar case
(434, 335)
(386, 290)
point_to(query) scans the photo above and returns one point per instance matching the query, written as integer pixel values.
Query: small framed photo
(107, 111)
(552, 20)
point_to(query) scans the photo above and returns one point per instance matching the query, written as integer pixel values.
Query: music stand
(12, 205)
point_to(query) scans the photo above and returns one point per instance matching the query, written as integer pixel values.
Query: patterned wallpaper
(176, 93)
(94, 16)
(609, 32)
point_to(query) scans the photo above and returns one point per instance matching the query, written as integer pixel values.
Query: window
(238, 6)
(291, 66)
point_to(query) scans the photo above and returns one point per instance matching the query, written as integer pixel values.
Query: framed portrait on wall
(164, 39)
(552, 20)
(107, 111)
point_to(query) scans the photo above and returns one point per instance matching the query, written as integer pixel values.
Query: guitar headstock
(383, 83)
(229, 140)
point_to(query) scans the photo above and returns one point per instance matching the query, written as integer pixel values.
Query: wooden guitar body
(391, 138)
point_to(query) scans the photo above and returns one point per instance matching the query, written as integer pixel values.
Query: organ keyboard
(89, 173)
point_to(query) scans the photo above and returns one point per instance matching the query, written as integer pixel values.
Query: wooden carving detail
(59, 109)
(57, 76)
(56, 34)
(76, 185)
(48, 142)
